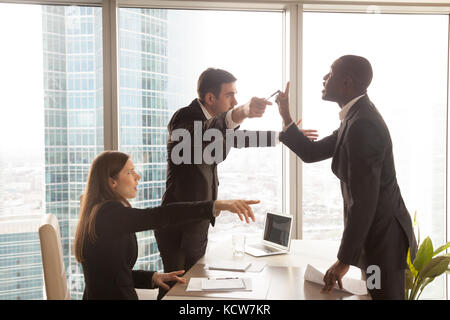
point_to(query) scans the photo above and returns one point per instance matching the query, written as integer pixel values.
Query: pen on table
(231, 278)
(273, 94)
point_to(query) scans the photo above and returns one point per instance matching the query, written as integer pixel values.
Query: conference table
(282, 277)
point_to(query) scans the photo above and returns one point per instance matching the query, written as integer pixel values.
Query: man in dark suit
(377, 225)
(196, 179)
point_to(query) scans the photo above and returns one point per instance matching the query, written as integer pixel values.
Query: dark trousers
(392, 285)
(180, 249)
(390, 255)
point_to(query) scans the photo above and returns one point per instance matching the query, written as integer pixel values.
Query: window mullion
(110, 75)
(447, 214)
(293, 176)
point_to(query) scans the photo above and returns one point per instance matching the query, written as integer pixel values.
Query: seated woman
(105, 241)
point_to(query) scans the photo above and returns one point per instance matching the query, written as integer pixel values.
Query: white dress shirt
(347, 107)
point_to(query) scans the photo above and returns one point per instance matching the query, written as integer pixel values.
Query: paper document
(196, 284)
(228, 265)
(353, 286)
(222, 284)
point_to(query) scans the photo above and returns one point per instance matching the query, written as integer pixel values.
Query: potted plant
(427, 265)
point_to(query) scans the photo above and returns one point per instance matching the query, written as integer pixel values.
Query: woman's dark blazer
(108, 262)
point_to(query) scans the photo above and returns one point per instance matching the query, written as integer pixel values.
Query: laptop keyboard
(265, 248)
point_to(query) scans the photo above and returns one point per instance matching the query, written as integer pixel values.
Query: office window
(51, 82)
(143, 119)
(162, 54)
(408, 54)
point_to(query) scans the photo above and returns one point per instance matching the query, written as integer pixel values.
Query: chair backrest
(52, 259)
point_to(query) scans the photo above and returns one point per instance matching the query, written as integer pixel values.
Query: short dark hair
(211, 80)
(359, 69)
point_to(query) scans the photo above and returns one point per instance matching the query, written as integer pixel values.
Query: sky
(21, 79)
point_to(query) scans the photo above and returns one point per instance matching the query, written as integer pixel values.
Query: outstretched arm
(254, 109)
(116, 218)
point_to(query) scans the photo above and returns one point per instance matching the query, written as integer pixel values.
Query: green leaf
(424, 254)
(424, 284)
(413, 270)
(442, 248)
(409, 279)
(435, 267)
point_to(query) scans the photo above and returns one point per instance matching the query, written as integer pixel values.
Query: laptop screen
(277, 229)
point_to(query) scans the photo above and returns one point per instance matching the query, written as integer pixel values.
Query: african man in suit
(377, 226)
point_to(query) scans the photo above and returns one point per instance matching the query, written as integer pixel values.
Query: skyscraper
(74, 114)
(20, 258)
(144, 111)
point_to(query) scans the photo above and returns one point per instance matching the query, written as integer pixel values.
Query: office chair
(52, 259)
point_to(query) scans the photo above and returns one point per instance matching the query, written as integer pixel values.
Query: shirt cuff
(285, 127)
(215, 213)
(229, 120)
(277, 138)
(152, 283)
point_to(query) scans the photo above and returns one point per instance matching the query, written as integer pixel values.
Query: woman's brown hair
(106, 165)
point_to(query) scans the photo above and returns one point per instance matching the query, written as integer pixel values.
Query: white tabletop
(282, 278)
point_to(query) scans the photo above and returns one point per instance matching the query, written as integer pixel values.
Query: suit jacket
(376, 220)
(195, 182)
(110, 259)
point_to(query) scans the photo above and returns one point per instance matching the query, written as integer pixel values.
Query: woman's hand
(240, 207)
(159, 278)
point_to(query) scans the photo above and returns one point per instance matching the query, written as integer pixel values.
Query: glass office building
(143, 111)
(152, 86)
(73, 111)
(73, 102)
(74, 114)
(20, 262)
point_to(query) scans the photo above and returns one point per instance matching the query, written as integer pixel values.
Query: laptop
(276, 238)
